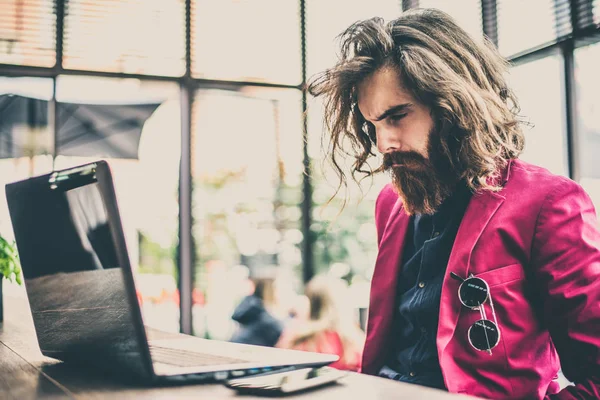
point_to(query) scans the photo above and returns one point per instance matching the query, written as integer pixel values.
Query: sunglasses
(473, 292)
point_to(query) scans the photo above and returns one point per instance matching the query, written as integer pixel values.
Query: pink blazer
(537, 244)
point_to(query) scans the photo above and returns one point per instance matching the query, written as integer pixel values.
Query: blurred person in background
(256, 324)
(329, 326)
(487, 280)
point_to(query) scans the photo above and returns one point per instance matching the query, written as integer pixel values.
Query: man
(487, 280)
(256, 324)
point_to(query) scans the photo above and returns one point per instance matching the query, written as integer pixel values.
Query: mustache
(403, 158)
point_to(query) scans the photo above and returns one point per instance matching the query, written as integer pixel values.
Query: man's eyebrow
(393, 110)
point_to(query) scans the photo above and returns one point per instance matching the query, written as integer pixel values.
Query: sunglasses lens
(484, 335)
(473, 292)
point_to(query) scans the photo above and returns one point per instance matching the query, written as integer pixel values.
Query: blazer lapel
(383, 288)
(480, 210)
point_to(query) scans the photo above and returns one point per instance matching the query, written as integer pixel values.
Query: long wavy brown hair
(460, 80)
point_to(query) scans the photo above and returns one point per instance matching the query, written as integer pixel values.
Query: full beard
(422, 183)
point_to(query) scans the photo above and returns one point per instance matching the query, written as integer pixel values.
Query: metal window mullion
(53, 114)
(53, 73)
(44, 72)
(569, 90)
(308, 268)
(534, 54)
(570, 108)
(185, 259)
(188, 38)
(185, 262)
(60, 25)
(489, 20)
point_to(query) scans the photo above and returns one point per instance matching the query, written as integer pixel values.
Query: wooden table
(26, 374)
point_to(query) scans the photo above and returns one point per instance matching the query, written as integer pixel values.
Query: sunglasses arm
(493, 311)
(456, 277)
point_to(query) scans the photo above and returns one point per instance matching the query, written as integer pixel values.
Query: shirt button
(421, 284)
(411, 373)
(436, 234)
(423, 330)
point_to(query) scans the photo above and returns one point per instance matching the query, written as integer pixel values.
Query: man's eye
(396, 117)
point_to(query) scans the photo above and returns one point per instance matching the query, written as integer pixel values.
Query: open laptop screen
(78, 295)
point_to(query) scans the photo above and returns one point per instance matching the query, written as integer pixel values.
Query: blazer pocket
(499, 276)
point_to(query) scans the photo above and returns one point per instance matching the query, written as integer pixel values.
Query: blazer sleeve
(566, 272)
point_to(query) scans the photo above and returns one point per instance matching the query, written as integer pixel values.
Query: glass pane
(25, 135)
(588, 118)
(346, 240)
(130, 36)
(245, 40)
(513, 15)
(28, 32)
(538, 87)
(325, 20)
(467, 13)
(147, 187)
(247, 176)
(25, 124)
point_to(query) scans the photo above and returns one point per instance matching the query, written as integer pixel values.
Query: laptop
(82, 294)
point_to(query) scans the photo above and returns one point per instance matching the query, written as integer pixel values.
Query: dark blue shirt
(427, 248)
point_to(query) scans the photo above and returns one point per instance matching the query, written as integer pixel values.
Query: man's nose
(387, 142)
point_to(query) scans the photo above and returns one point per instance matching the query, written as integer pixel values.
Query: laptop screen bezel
(107, 190)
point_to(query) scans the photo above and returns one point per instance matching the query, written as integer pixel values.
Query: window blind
(246, 40)
(28, 32)
(129, 36)
(325, 20)
(524, 25)
(466, 13)
(587, 13)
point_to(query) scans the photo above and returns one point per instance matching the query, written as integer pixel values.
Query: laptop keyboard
(184, 358)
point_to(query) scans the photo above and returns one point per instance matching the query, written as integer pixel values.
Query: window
(247, 177)
(146, 187)
(538, 88)
(131, 36)
(246, 40)
(247, 204)
(346, 239)
(588, 118)
(28, 32)
(544, 19)
(346, 242)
